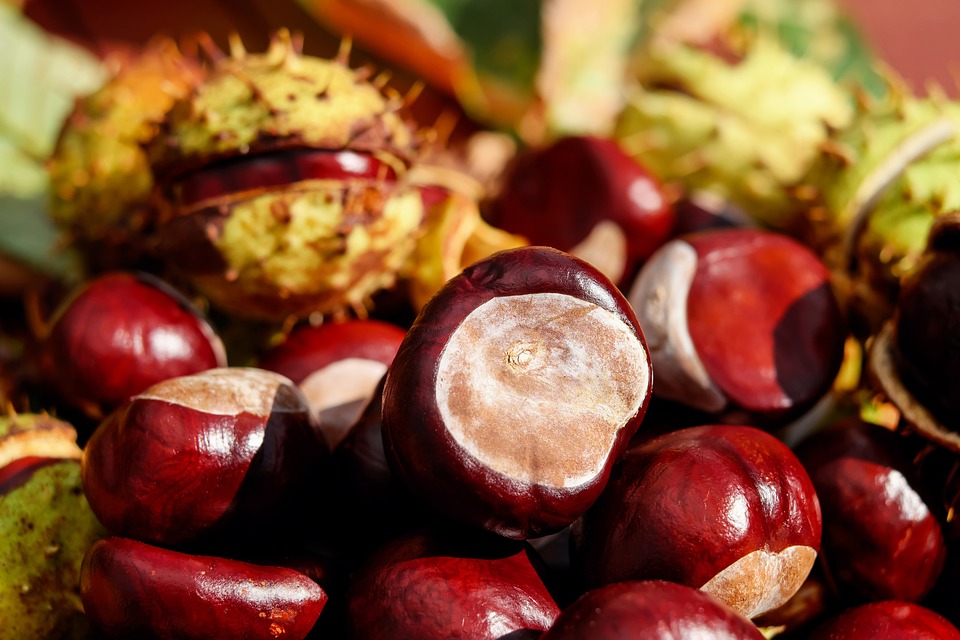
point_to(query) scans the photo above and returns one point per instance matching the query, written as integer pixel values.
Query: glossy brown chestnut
(651, 609)
(586, 196)
(434, 586)
(740, 319)
(337, 365)
(197, 452)
(887, 620)
(121, 333)
(880, 539)
(135, 590)
(517, 386)
(726, 509)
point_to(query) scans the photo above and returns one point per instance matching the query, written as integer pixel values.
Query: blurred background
(918, 38)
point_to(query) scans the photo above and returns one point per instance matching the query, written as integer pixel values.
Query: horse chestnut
(880, 539)
(517, 386)
(740, 319)
(887, 619)
(586, 196)
(135, 590)
(197, 452)
(434, 586)
(120, 333)
(726, 509)
(649, 609)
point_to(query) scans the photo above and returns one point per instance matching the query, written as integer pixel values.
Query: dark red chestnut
(726, 509)
(433, 586)
(887, 620)
(121, 333)
(880, 539)
(586, 196)
(196, 452)
(740, 319)
(135, 590)
(653, 610)
(915, 357)
(517, 386)
(337, 366)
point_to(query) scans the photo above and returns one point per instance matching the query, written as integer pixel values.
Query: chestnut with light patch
(726, 509)
(196, 453)
(337, 365)
(517, 386)
(740, 320)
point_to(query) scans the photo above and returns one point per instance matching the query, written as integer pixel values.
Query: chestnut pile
(330, 375)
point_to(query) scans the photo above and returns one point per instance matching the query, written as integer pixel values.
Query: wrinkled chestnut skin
(928, 324)
(162, 469)
(420, 450)
(134, 590)
(880, 539)
(688, 504)
(121, 333)
(449, 585)
(887, 620)
(317, 358)
(759, 318)
(652, 609)
(556, 195)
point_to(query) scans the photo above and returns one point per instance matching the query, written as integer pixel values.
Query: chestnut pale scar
(230, 390)
(538, 386)
(762, 580)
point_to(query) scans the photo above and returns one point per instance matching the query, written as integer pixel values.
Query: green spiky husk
(282, 99)
(747, 131)
(46, 527)
(322, 248)
(101, 181)
(883, 184)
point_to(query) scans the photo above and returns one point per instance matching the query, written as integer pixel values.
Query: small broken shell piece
(882, 367)
(762, 580)
(659, 298)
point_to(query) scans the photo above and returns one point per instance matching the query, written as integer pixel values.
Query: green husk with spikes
(100, 179)
(747, 130)
(882, 185)
(321, 246)
(46, 527)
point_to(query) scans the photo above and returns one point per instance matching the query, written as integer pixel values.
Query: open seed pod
(46, 527)
(100, 178)
(880, 188)
(915, 358)
(284, 182)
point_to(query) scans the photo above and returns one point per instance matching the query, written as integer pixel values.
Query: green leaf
(39, 78)
(29, 236)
